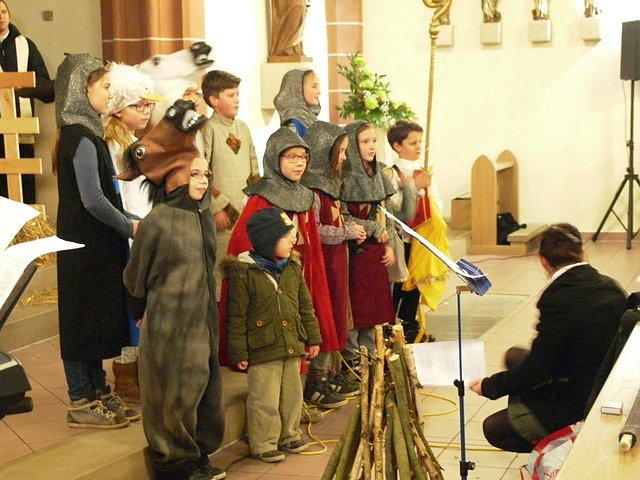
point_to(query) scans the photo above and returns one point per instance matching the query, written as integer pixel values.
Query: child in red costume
(285, 160)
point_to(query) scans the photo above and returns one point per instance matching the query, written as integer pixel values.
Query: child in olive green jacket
(270, 319)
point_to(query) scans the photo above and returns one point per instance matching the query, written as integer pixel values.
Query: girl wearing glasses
(129, 111)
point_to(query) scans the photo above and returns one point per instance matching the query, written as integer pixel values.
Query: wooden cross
(11, 127)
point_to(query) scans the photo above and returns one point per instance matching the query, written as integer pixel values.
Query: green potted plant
(369, 97)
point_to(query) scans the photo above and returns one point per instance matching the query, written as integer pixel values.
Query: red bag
(549, 454)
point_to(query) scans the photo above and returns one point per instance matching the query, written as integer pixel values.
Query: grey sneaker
(114, 403)
(85, 414)
(270, 457)
(296, 446)
(310, 414)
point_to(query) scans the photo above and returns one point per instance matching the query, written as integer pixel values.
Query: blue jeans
(84, 378)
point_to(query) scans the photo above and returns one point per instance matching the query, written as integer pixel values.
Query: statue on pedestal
(287, 25)
(490, 13)
(540, 10)
(590, 9)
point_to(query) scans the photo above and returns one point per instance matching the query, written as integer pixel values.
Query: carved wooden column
(344, 36)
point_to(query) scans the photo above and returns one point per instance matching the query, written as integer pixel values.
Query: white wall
(238, 32)
(75, 28)
(559, 107)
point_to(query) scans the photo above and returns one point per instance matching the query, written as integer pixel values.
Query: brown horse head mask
(166, 152)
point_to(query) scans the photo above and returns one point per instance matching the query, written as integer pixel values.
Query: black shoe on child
(213, 473)
(321, 394)
(341, 385)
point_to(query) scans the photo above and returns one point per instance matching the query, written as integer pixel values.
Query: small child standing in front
(270, 319)
(298, 101)
(229, 149)
(364, 187)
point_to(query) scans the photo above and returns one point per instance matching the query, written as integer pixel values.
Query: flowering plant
(369, 99)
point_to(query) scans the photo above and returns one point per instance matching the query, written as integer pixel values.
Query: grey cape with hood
(319, 174)
(357, 185)
(290, 102)
(273, 186)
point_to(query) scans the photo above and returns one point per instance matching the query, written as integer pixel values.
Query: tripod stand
(628, 180)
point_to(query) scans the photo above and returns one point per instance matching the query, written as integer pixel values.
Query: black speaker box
(630, 51)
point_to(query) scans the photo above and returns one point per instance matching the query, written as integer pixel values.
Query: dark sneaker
(114, 403)
(213, 473)
(270, 457)
(85, 414)
(296, 446)
(198, 474)
(322, 395)
(343, 386)
(310, 414)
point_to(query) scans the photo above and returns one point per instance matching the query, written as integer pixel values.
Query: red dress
(335, 263)
(369, 288)
(308, 245)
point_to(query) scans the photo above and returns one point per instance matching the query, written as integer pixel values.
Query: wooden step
(117, 454)
(35, 322)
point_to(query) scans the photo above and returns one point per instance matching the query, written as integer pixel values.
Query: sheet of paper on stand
(14, 260)
(437, 362)
(467, 271)
(14, 216)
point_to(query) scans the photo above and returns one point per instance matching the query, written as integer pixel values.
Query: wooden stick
(402, 402)
(364, 413)
(343, 445)
(399, 444)
(378, 406)
(390, 464)
(354, 474)
(426, 454)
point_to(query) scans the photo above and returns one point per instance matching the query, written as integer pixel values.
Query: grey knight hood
(290, 102)
(273, 186)
(72, 103)
(357, 184)
(319, 175)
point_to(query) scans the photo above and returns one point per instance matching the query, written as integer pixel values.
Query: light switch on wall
(47, 15)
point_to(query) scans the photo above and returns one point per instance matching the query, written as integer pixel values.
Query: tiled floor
(23, 434)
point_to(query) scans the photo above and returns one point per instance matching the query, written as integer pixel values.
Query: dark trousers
(406, 303)
(497, 428)
(28, 181)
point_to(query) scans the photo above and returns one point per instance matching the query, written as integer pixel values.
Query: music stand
(476, 282)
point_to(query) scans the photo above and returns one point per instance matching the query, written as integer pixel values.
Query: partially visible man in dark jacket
(19, 54)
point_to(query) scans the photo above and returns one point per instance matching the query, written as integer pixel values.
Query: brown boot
(126, 376)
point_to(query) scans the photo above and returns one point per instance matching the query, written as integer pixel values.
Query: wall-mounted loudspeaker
(630, 51)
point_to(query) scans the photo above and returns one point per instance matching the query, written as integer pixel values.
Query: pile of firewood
(384, 438)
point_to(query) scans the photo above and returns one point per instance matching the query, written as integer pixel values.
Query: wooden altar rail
(11, 127)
